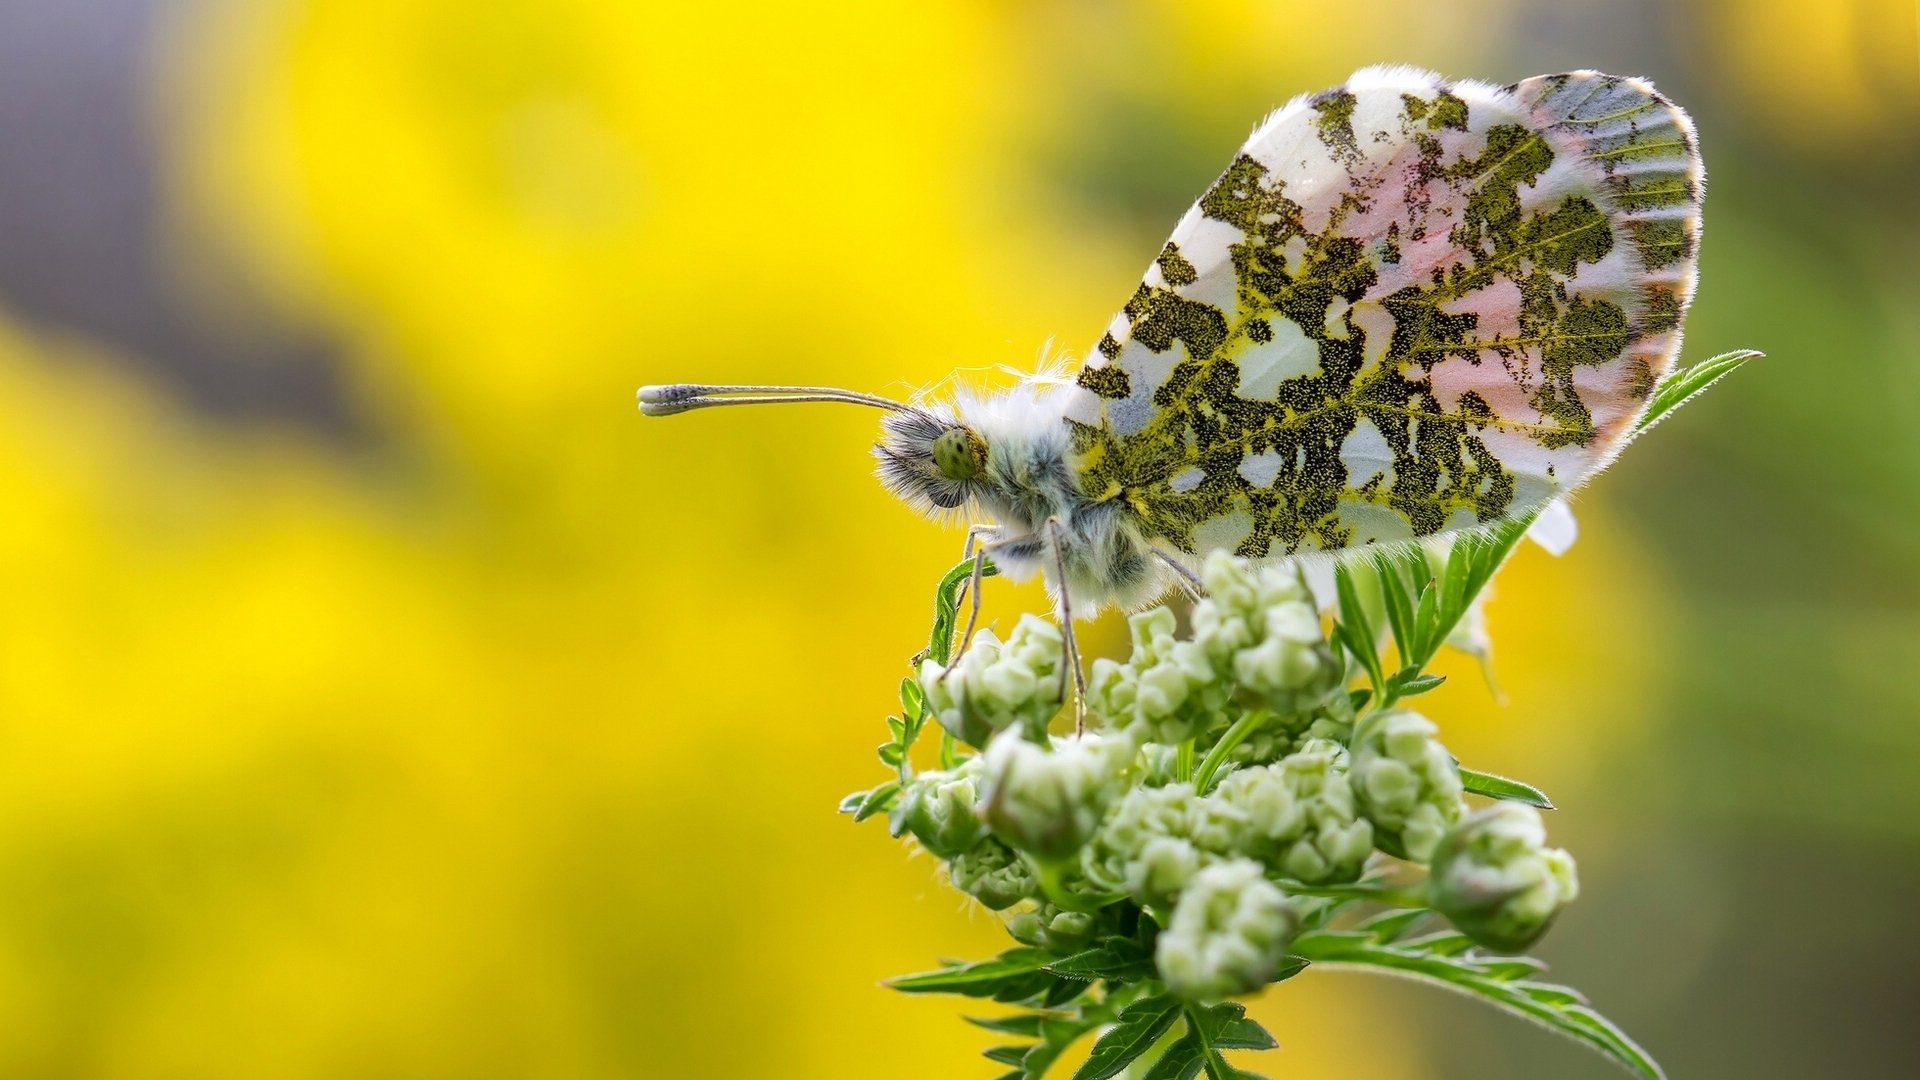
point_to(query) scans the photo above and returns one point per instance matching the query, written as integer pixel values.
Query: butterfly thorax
(1006, 462)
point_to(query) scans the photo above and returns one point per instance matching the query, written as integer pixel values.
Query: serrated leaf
(1062, 991)
(1180, 1060)
(1206, 1025)
(1027, 1024)
(1289, 967)
(1443, 943)
(1007, 1055)
(1490, 979)
(1683, 386)
(982, 978)
(1501, 787)
(1117, 959)
(1245, 1033)
(1512, 968)
(1399, 604)
(1353, 627)
(1389, 925)
(1408, 682)
(1363, 651)
(1133, 1033)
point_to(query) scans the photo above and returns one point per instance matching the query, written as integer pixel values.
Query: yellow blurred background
(380, 696)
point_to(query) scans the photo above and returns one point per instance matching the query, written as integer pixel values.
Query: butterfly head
(930, 459)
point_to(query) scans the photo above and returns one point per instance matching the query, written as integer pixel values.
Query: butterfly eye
(959, 454)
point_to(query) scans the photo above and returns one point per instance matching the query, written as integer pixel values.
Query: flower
(994, 874)
(1166, 692)
(1261, 629)
(1228, 933)
(1047, 800)
(1145, 847)
(1406, 782)
(1049, 927)
(1495, 879)
(937, 807)
(994, 685)
(1300, 815)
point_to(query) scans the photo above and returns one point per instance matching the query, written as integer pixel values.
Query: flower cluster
(995, 685)
(1225, 788)
(1256, 644)
(1407, 782)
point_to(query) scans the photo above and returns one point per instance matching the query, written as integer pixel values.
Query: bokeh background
(380, 696)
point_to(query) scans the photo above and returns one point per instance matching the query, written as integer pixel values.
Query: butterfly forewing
(1407, 307)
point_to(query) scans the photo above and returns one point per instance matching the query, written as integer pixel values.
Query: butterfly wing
(1408, 307)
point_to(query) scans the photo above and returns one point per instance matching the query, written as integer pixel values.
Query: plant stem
(1216, 757)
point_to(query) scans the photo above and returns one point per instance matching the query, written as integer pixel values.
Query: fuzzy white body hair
(1031, 481)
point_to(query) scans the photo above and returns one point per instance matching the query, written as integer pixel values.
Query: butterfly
(1409, 307)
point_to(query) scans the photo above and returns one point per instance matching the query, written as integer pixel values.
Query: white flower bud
(1145, 847)
(937, 807)
(1048, 800)
(1228, 934)
(1301, 816)
(1495, 879)
(996, 685)
(1406, 782)
(993, 874)
(1261, 628)
(1166, 691)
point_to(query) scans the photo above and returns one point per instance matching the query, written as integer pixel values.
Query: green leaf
(1027, 1024)
(1206, 1026)
(1399, 602)
(1180, 1060)
(1500, 787)
(913, 700)
(1408, 682)
(946, 609)
(1245, 1033)
(985, 978)
(877, 800)
(1138, 1027)
(1683, 386)
(1289, 967)
(1059, 991)
(1354, 628)
(851, 801)
(1500, 981)
(1007, 1055)
(890, 753)
(1056, 1034)
(1116, 959)
(1390, 925)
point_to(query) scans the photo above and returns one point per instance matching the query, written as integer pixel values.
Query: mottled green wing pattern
(1408, 307)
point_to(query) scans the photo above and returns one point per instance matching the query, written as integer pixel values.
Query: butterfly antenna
(684, 397)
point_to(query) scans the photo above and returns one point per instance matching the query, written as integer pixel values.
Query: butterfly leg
(976, 549)
(1066, 630)
(1189, 580)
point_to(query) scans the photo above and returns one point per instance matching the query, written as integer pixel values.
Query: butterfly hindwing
(1407, 307)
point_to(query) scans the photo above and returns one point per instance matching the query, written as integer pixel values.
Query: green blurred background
(380, 696)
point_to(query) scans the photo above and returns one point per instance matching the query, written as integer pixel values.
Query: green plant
(1256, 799)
